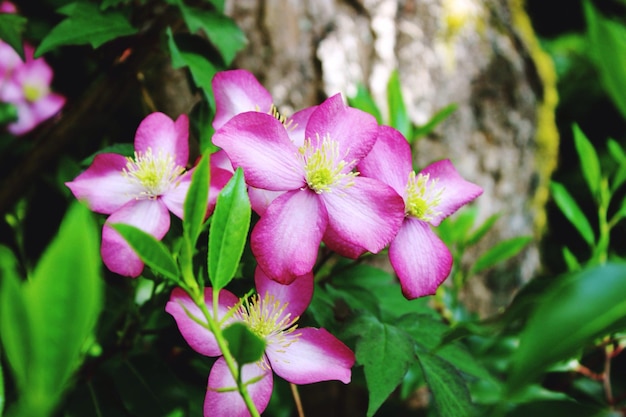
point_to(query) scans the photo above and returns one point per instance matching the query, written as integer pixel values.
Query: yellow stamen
(154, 173)
(324, 166)
(423, 197)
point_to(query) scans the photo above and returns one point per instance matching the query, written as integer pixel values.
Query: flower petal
(353, 129)
(47, 106)
(367, 214)
(389, 161)
(103, 186)
(296, 125)
(297, 295)
(336, 243)
(230, 403)
(180, 305)
(421, 260)
(286, 239)
(260, 144)
(260, 199)
(456, 192)
(151, 216)
(238, 91)
(314, 356)
(160, 133)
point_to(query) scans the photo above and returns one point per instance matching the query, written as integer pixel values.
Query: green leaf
(482, 230)
(500, 253)
(197, 201)
(85, 24)
(398, 116)
(560, 408)
(440, 116)
(12, 27)
(8, 113)
(151, 251)
(449, 390)
(186, 53)
(64, 297)
(618, 154)
(201, 119)
(572, 211)
(574, 311)
(15, 324)
(570, 260)
(364, 101)
(588, 160)
(245, 346)
(607, 41)
(221, 30)
(229, 231)
(2, 400)
(385, 352)
(455, 230)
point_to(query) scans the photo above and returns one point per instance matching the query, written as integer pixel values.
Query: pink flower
(322, 198)
(7, 7)
(298, 355)
(238, 91)
(421, 260)
(26, 85)
(142, 190)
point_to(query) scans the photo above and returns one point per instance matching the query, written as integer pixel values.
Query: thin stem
(228, 357)
(607, 374)
(296, 399)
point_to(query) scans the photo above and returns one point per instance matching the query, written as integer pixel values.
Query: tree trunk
(481, 55)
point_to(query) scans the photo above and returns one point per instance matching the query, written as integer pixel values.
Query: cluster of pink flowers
(328, 174)
(26, 85)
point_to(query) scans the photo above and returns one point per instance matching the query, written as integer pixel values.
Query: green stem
(228, 357)
(602, 248)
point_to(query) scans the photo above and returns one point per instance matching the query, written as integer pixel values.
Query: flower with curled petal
(298, 355)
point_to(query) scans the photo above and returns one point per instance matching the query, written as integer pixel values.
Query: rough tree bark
(481, 55)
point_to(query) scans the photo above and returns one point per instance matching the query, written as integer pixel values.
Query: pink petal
(456, 191)
(315, 356)
(355, 130)
(230, 403)
(296, 125)
(238, 91)
(198, 337)
(367, 214)
(47, 106)
(26, 119)
(260, 199)
(151, 216)
(160, 133)
(260, 144)
(296, 295)
(34, 72)
(286, 239)
(219, 159)
(103, 186)
(389, 161)
(421, 260)
(336, 243)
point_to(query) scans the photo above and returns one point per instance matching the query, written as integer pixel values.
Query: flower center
(154, 173)
(324, 167)
(423, 197)
(32, 92)
(267, 319)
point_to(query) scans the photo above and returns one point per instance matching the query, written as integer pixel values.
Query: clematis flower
(421, 260)
(26, 85)
(298, 355)
(142, 190)
(321, 195)
(238, 91)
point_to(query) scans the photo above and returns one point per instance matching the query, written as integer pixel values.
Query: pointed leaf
(197, 201)
(588, 160)
(229, 231)
(63, 299)
(440, 116)
(482, 230)
(85, 24)
(11, 29)
(151, 251)
(449, 390)
(574, 311)
(364, 101)
(245, 346)
(570, 260)
(500, 253)
(386, 353)
(572, 212)
(398, 116)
